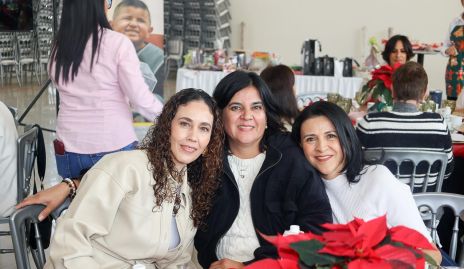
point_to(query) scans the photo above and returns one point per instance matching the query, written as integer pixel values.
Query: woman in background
(281, 81)
(398, 49)
(355, 189)
(97, 74)
(454, 49)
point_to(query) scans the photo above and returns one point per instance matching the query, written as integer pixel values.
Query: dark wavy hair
(82, 21)
(280, 80)
(351, 146)
(203, 173)
(239, 80)
(390, 47)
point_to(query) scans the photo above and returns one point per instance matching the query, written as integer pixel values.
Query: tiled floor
(44, 114)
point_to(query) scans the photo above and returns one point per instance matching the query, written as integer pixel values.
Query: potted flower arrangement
(379, 88)
(357, 244)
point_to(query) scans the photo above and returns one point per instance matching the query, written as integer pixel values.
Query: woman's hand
(226, 264)
(51, 198)
(451, 51)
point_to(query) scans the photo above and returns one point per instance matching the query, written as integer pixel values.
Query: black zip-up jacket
(287, 190)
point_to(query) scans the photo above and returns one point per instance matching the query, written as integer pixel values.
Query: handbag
(45, 226)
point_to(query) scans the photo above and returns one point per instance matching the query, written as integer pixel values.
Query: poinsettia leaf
(368, 264)
(390, 253)
(401, 265)
(410, 237)
(373, 232)
(308, 251)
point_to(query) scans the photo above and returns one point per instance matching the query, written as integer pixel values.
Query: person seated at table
(330, 144)
(266, 185)
(8, 152)
(144, 206)
(398, 49)
(406, 127)
(281, 81)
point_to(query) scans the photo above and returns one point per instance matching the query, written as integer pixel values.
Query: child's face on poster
(134, 23)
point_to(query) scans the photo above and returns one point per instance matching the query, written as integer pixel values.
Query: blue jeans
(72, 165)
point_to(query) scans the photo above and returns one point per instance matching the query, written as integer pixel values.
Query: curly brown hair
(203, 173)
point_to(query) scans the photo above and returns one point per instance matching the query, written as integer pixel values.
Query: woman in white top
(330, 144)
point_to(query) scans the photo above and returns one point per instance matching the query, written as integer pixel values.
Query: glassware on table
(449, 103)
(333, 97)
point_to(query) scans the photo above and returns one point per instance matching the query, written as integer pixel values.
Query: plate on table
(457, 138)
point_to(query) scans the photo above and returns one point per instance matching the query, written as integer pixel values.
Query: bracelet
(72, 187)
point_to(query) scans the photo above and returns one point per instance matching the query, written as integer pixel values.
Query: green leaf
(308, 252)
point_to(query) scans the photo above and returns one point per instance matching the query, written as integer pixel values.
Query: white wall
(281, 26)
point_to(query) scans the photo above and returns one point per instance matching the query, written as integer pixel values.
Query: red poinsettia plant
(355, 245)
(379, 88)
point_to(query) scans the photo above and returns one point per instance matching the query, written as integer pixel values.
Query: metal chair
(433, 201)
(8, 57)
(26, 152)
(27, 58)
(21, 221)
(175, 52)
(412, 159)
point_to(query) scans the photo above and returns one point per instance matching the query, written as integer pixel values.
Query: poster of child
(142, 22)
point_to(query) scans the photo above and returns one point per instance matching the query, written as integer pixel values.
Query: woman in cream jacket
(139, 206)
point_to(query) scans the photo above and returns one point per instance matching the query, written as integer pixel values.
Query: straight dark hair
(82, 21)
(351, 146)
(390, 47)
(239, 80)
(280, 80)
(409, 82)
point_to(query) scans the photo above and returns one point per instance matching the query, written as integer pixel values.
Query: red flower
(355, 245)
(384, 73)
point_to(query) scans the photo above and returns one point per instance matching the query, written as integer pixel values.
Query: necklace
(242, 171)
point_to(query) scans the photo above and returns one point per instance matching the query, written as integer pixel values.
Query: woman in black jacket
(267, 184)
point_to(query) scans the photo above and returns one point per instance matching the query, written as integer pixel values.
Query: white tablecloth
(207, 81)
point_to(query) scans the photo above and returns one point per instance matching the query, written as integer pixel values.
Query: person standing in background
(454, 48)
(97, 74)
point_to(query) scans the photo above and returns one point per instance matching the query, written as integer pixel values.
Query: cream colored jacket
(113, 221)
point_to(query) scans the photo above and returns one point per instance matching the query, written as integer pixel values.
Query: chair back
(433, 201)
(21, 221)
(7, 49)
(26, 47)
(19, 226)
(26, 153)
(413, 159)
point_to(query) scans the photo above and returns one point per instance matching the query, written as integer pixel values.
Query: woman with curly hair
(144, 206)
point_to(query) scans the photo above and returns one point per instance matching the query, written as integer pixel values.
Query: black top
(287, 191)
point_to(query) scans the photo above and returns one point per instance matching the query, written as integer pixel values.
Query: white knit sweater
(240, 241)
(377, 193)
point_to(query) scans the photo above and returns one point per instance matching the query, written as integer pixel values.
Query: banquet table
(304, 85)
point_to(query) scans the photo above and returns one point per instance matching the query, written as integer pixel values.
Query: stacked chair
(200, 24)
(8, 57)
